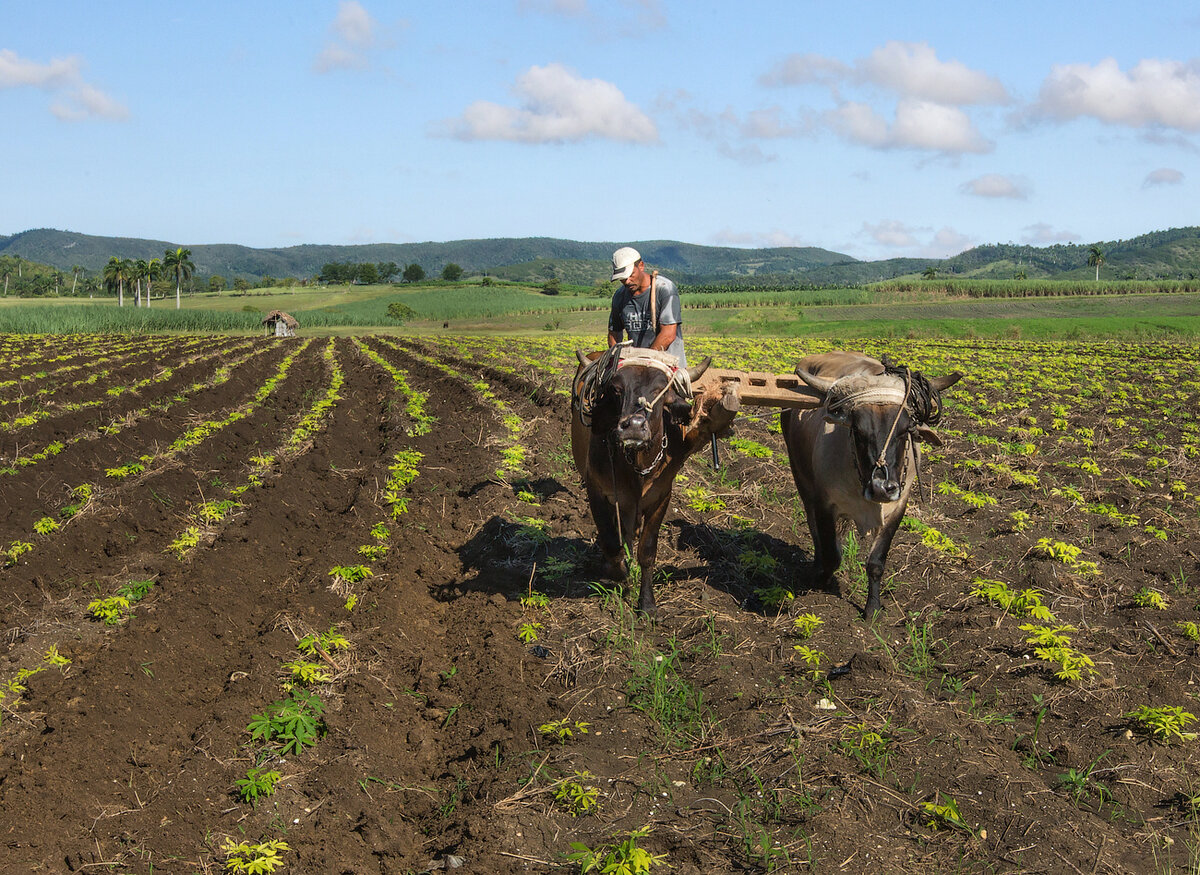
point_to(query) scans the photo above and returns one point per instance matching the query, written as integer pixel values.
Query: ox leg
(875, 562)
(827, 548)
(647, 552)
(608, 536)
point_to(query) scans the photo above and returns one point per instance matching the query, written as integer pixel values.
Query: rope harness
(880, 394)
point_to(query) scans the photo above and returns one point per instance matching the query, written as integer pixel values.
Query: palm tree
(115, 274)
(140, 270)
(929, 272)
(1096, 257)
(179, 263)
(153, 272)
(75, 270)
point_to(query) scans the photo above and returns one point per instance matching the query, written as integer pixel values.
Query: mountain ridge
(1158, 254)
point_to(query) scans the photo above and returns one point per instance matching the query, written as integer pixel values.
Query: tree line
(369, 272)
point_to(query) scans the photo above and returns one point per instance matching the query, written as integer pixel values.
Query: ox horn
(940, 383)
(821, 384)
(582, 356)
(694, 373)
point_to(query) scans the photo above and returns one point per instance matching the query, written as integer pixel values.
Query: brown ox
(856, 455)
(632, 429)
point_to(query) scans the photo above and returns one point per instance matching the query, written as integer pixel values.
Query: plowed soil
(463, 713)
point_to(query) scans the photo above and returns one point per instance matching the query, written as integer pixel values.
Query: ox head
(633, 400)
(883, 413)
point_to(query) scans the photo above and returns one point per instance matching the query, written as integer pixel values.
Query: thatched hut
(280, 324)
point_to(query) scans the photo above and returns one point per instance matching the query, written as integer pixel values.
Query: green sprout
(257, 783)
(1150, 598)
(805, 625)
(564, 730)
(528, 632)
(254, 859)
(1163, 723)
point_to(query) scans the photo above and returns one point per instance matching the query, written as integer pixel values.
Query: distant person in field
(645, 306)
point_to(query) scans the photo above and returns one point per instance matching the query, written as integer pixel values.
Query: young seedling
(774, 596)
(1054, 646)
(305, 674)
(186, 541)
(328, 642)
(1164, 723)
(292, 724)
(528, 632)
(535, 599)
(812, 658)
(805, 625)
(944, 814)
(576, 797)
(563, 730)
(1150, 598)
(350, 574)
(254, 859)
(110, 610)
(257, 783)
(625, 858)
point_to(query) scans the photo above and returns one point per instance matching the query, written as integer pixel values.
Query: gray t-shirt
(631, 315)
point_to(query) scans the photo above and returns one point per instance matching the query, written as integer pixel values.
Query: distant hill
(1174, 253)
(65, 249)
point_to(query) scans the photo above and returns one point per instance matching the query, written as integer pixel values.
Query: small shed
(280, 324)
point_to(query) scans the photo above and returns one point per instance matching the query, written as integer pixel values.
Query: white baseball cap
(623, 261)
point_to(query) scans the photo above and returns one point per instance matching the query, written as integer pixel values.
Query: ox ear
(941, 383)
(927, 435)
(680, 409)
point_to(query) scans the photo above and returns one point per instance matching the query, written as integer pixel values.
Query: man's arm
(662, 340)
(612, 339)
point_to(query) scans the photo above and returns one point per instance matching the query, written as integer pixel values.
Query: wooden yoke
(758, 388)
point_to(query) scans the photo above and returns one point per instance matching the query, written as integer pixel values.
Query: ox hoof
(614, 570)
(872, 611)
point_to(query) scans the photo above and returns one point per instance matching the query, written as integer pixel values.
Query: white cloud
(85, 101)
(920, 242)
(913, 70)
(918, 124)
(1163, 176)
(929, 96)
(805, 69)
(947, 242)
(1154, 92)
(996, 185)
(1041, 234)
(909, 70)
(77, 100)
(557, 106)
(16, 71)
(891, 233)
(355, 34)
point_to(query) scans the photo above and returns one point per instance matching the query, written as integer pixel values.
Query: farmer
(645, 306)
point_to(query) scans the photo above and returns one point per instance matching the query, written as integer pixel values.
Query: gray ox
(632, 428)
(855, 457)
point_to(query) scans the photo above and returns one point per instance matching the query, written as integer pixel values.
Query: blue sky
(873, 129)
